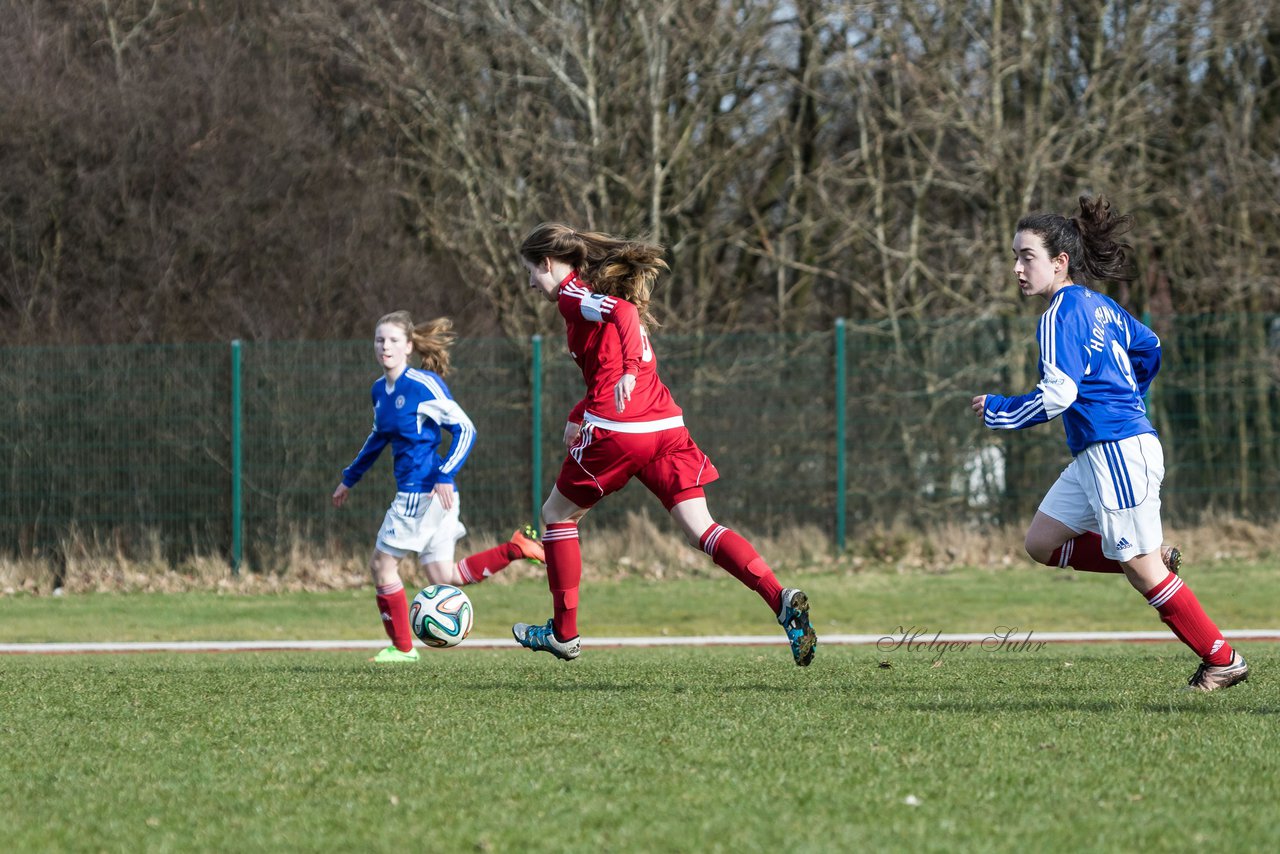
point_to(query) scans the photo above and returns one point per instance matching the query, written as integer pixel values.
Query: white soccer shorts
(416, 522)
(1113, 489)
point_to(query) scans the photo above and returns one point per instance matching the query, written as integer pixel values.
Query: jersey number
(646, 351)
(1122, 362)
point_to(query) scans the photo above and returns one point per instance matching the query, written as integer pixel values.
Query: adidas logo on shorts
(1123, 544)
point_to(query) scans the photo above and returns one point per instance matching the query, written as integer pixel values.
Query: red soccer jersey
(607, 340)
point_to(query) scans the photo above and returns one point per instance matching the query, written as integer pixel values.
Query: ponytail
(1090, 240)
(621, 268)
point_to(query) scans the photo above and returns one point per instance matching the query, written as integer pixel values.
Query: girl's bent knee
(1038, 552)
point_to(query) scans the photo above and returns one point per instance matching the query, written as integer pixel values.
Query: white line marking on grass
(602, 642)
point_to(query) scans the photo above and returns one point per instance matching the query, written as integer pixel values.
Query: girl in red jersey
(627, 426)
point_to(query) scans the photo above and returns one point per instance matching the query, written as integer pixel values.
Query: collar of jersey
(568, 280)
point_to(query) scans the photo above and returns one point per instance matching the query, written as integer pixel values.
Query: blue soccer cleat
(794, 618)
(543, 639)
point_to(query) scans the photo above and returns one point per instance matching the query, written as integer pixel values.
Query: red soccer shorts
(667, 462)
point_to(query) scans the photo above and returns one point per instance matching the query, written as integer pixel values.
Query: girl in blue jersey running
(1096, 364)
(412, 407)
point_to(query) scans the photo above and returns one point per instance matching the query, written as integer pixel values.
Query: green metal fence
(234, 449)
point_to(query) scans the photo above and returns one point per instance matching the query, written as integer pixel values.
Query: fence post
(841, 443)
(535, 431)
(237, 518)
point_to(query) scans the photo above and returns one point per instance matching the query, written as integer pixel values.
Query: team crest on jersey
(399, 401)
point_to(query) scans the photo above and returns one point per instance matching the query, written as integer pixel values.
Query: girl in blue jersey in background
(1096, 363)
(411, 408)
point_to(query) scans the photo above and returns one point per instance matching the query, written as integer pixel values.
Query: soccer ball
(441, 615)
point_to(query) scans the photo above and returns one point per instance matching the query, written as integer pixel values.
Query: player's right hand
(979, 404)
(340, 495)
(622, 391)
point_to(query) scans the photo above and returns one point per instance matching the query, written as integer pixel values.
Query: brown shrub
(640, 548)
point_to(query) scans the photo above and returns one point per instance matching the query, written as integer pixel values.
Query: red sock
(733, 553)
(1084, 554)
(477, 567)
(564, 576)
(394, 608)
(1181, 612)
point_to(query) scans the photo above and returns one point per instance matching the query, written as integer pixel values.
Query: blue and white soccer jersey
(410, 415)
(1096, 363)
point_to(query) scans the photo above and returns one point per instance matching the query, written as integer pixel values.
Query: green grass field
(1062, 748)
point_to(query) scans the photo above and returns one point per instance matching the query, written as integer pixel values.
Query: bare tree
(178, 171)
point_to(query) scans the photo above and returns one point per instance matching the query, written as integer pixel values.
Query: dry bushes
(640, 548)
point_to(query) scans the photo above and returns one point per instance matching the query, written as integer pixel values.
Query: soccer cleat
(543, 639)
(794, 618)
(391, 655)
(526, 540)
(1211, 677)
(1172, 557)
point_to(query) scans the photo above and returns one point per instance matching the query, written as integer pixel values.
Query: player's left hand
(444, 492)
(622, 391)
(979, 404)
(572, 430)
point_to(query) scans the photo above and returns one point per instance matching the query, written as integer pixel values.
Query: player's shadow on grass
(1204, 706)
(531, 687)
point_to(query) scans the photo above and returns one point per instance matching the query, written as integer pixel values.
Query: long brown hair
(1090, 240)
(610, 265)
(431, 340)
